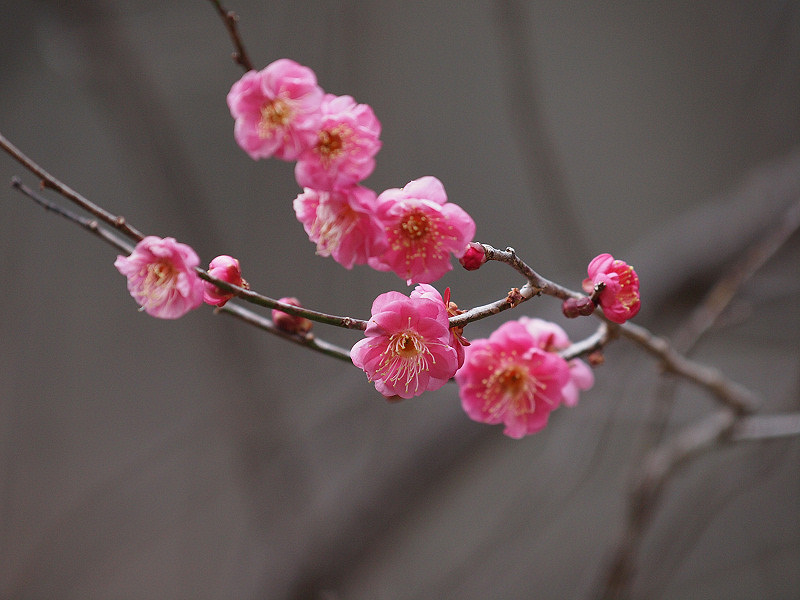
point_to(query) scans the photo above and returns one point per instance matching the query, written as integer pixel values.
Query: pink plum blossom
(619, 298)
(407, 349)
(423, 229)
(162, 278)
(277, 110)
(509, 379)
(342, 223)
(552, 338)
(346, 144)
(227, 269)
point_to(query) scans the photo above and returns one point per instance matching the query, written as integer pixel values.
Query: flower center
(274, 115)
(158, 284)
(415, 225)
(331, 226)
(407, 344)
(405, 358)
(510, 388)
(628, 294)
(331, 143)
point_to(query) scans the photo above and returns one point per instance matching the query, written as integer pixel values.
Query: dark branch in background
(663, 459)
(231, 20)
(536, 147)
(719, 298)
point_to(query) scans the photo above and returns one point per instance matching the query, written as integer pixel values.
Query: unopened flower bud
(474, 256)
(596, 358)
(291, 323)
(570, 308)
(227, 269)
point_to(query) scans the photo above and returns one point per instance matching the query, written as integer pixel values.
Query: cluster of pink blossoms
(281, 111)
(515, 377)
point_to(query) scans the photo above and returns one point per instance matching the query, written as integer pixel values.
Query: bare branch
(730, 393)
(307, 341)
(763, 427)
(88, 224)
(231, 20)
(117, 222)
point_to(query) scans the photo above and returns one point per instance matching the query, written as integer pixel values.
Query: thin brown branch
(231, 20)
(117, 222)
(763, 427)
(656, 470)
(90, 225)
(730, 393)
(307, 341)
(536, 285)
(594, 342)
(266, 301)
(724, 291)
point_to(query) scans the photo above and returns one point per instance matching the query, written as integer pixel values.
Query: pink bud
(474, 256)
(291, 323)
(227, 269)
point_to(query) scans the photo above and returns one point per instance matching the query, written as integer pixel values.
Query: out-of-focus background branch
(204, 459)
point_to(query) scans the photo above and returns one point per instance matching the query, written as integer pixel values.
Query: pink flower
(423, 229)
(276, 110)
(620, 297)
(342, 223)
(509, 379)
(227, 269)
(161, 277)
(346, 143)
(552, 338)
(407, 349)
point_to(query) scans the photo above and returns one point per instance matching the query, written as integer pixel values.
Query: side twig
(231, 20)
(117, 222)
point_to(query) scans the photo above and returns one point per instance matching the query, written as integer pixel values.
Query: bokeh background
(204, 459)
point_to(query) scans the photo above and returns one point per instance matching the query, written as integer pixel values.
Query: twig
(591, 344)
(308, 341)
(536, 285)
(727, 391)
(266, 301)
(117, 222)
(730, 393)
(231, 20)
(644, 499)
(90, 225)
(762, 427)
(724, 291)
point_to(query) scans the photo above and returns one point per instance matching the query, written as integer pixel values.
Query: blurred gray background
(203, 459)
